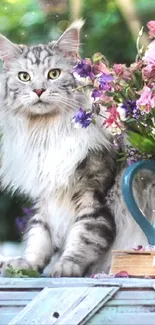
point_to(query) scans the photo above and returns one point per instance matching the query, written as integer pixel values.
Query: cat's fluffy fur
(66, 171)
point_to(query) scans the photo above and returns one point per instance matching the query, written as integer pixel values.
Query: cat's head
(38, 79)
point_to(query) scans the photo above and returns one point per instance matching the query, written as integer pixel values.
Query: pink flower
(113, 117)
(149, 56)
(106, 99)
(118, 87)
(151, 27)
(136, 66)
(147, 100)
(122, 71)
(149, 71)
(100, 68)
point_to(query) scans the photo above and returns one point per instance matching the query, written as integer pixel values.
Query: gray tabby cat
(66, 171)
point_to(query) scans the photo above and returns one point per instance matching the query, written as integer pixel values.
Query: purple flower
(129, 105)
(28, 211)
(118, 141)
(133, 155)
(96, 93)
(105, 81)
(84, 69)
(131, 109)
(21, 223)
(82, 118)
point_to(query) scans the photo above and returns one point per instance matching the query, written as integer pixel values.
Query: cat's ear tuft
(8, 50)
(69, 41)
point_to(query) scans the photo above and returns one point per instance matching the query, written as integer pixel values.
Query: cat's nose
(39, 91)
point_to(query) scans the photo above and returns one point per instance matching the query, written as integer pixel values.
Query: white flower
(122, 112)
(114, 129)
(83, 81)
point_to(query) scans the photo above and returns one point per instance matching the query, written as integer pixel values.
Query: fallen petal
(121, 274)
(138, 248)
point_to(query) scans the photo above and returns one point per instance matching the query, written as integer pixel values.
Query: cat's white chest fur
(41, 160)
(41, 163)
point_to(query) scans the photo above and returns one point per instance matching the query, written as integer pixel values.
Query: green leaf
(97, 57)
(120, 154)
(141, 142)
(122, 158)
(130, 120)
(106, 104)
(93, 121)
(11, 272)
(110, 93)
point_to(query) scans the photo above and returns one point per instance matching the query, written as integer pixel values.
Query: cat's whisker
(67, 101)
(66, 104)
(73, 104)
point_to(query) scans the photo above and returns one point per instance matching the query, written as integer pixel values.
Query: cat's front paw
(66, 269)
(16, 263)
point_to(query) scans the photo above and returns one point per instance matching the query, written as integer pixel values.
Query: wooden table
(70, 301)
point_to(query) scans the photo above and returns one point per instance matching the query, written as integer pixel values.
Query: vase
(127, 191)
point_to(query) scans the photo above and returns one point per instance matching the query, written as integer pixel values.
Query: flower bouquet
(127, 95)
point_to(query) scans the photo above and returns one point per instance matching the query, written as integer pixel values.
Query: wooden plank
(4, 310)
(55, 306)
(46, 304)
(104, 318)
(36, 283)
(14, 302)
(17, 295)
(132, 309)
(6, 318)
(95, 299)
(136, 294)
(7, 314)
(40, 283)
(132, 302)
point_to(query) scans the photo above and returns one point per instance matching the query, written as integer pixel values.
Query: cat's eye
(54, 73)
(24, 76)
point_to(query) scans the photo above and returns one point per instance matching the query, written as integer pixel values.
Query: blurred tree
(56, 6)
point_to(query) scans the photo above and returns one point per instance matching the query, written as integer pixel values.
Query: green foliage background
(24, 21)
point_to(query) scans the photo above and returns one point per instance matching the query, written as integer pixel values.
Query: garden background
(111, 27)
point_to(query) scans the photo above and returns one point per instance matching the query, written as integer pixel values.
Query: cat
(70, 173)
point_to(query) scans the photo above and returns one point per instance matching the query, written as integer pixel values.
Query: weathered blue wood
(40, 283)
(115, 318)
(132, 309)
(14, 302)
(133, 297)
(88, 307)
(139, 295)
(71, 306)
(6, 314)
(128, 309)
(17, 295)
(133, 302)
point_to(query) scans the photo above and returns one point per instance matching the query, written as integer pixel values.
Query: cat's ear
(8, 50)
(69, 41)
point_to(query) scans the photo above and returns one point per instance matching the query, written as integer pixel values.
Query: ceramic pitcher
(127, 190)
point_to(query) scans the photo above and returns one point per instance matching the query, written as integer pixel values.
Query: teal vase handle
(127, 191)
